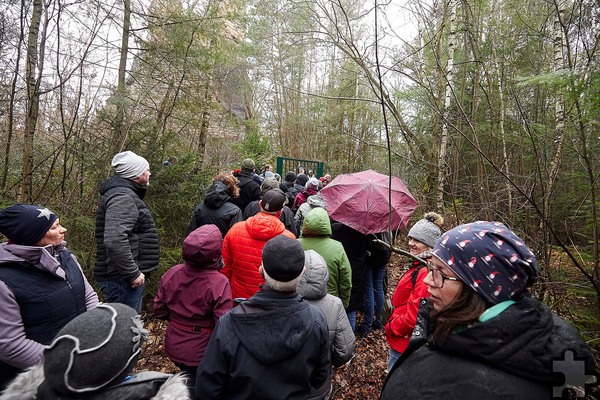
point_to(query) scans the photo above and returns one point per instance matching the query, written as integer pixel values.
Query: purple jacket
(193, 296)
(15, 348)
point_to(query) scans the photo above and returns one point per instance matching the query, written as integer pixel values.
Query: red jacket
(193, 296)
(405, 300)
(242, 251)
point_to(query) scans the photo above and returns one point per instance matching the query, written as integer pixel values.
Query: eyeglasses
(438, 277)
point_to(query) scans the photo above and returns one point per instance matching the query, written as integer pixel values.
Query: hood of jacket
(217, 195)
(41, 257)
(156, 385)
(526, 348)
(202, 247)
(316, 200)
(117, 181)
(263, 226)
(278, 333)
(313, 284)
(316, 223)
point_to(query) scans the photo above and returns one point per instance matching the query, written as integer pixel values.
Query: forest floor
(362, 378)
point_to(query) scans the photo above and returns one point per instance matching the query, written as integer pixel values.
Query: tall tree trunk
(442, 157)
(120, 131)
(33, 100)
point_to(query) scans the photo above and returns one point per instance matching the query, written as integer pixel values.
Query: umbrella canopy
(361, 201)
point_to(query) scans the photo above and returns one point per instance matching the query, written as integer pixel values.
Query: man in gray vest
(126, 237)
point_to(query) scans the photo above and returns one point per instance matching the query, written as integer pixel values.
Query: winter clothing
(287, 216)
(129, 165)
(193, 296)
(406, 301)
(278, 249)
(242, 251)
(356, 246)
(316, 236)
(249, 189)
(506, 357)
(26, 224)
(493, 261)
(427, 230)
(300, 182)
(289, 188)
(41, 290)
(273, 200)
(126, 237)
(313, 288)
(311, 202)
(375, 271)
(290, 177)
(302, 196)
(91, 357)
(249, 164)
(217, 208)
(313, 183)
(272, 346)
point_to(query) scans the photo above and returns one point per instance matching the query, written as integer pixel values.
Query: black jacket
(217, 208)
(507, 357)
(249, 190)
(272, 346)
(126, 236)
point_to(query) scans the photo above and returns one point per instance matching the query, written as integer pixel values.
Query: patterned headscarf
(489, 258)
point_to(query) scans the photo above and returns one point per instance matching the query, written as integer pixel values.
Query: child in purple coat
(192, 297)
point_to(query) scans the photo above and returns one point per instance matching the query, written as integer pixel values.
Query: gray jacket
(126, 236)
(313, 288)
(311, 202)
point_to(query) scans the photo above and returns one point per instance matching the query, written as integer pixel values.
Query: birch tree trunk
(442, 162)
(33, 99)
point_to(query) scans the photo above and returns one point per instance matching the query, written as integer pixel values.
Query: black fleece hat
(290, 176)
(26, 224)
(283, 258)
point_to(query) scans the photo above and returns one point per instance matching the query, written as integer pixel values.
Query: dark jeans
(374, 296)
(191, 377)
(120, 291)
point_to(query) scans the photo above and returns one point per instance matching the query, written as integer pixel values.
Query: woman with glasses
(407, 296)
(481, 334)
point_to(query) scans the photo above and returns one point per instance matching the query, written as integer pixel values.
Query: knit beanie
(301, 179)
(129, 165)
(290, 176)
(312, 184)
(427, 230)
(282, 262)
(95, 349)
(25, 224)
(490, 258)
(273, 200)
(248, 163)
(268, 184)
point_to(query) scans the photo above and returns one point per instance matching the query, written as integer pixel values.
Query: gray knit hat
(94, 349)
(427, 230)
(129, 165)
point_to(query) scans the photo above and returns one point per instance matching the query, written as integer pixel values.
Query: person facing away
(311, 188)
(482, 334)
(313, 288)
(249, 188)
(287, 216)
(315, 236)
(243, 244)
(42, 286)
(92, 358)
(287, 186)
(272, 346)
(217, 207)
(411, 289)
(193, 296)
(127, 248)
(316, 200)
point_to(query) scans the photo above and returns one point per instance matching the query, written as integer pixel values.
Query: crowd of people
(269, 298)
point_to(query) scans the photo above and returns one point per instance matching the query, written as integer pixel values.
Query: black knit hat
(290, 176)
(283, 258)
(25, 224)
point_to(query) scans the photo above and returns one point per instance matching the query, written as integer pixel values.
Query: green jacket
(315, 236)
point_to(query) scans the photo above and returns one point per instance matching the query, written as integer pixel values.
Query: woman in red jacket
(193, 296)
(405, 300)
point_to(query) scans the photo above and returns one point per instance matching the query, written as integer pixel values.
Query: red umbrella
(361, 201)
